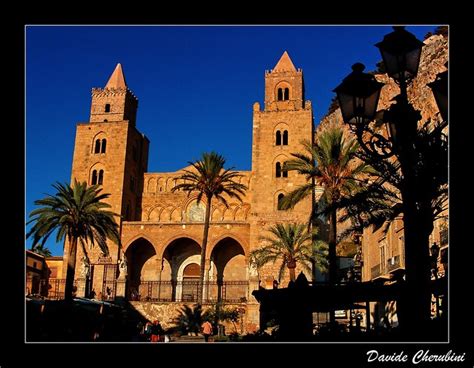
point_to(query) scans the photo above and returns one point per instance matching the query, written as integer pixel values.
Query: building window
(286, 97)
(104, 145)
(284, 171)
(280, 198)
(278, 170)
(101, 177)
(132, 183)
(280, 94)
(94, 177)
(97, 146)
(35, 265)
(382, 256)
(285, 138)
(107, 107)
(278, 138)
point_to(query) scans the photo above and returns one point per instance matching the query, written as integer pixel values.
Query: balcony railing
(187, 291)
(157, 291)
(393, 263)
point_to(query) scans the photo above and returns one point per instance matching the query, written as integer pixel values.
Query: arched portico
(143, 266)
(230, 271)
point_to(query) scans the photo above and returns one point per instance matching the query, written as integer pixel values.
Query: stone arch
(151, 185)
(241, 212)
(142, 265)
(230, 212)
(165, 215)
(217, 214)
(160, 186)
(276, 197)
(155, 213)
(97, 167)
(281, 158)
(176, 214)
(180, 252)
(282, 86)
(98, 137)
(230, 269)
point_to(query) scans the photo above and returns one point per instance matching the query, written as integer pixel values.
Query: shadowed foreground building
(161, 231)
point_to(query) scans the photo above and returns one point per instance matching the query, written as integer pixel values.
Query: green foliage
(79, 215)
(209, 179)
(190, 319)
(76, 212)
(42, 250)
(289, 244)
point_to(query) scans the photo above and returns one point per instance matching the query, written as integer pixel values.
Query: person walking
(156, 331)
(206, 330)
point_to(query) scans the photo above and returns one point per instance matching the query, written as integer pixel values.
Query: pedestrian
(206, 330)
(156, 331)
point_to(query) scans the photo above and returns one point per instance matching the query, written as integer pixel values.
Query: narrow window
(278, 138)
(101, 177)
(104, 145)
(132, 183)
(285, 138)
(287, 94)
(107, 107)
(284, 170)
(280, 94)
(278, 170)
(97, 146)
(94, 177)
(280, 198)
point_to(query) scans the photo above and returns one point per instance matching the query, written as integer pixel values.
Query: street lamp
(358, 95)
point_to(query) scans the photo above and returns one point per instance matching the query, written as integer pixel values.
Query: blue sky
(196, 86)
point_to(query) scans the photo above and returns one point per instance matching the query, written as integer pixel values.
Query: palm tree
(78, 215)
(42, 250)
(292, 244)
(211, 180)
(329, 162)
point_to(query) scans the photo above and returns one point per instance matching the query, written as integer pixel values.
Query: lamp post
(358, 97)
(434, 249)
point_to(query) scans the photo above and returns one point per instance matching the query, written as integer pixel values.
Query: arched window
(284, 171)
(94, 177)
(101, 177)
(280, 198)
(286, 97)
(278, 138)
(97, 146)
(107, 107)
(104, 144)
(278, 170)
(285, 138)
(280, 94)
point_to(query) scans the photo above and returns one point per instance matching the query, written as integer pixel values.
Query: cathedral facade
(161, 230)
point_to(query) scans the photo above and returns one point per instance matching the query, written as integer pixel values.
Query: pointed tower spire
(117, 79)
(284, 64)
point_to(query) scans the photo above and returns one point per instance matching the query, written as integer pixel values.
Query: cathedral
(161, 230)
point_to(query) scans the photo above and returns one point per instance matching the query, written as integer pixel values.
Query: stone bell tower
(111, 152)
(278, 130)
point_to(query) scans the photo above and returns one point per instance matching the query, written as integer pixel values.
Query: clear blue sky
(196, 86)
